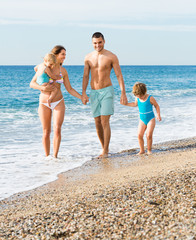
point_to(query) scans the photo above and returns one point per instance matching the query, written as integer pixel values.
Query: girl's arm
(132, 104)
(51, 75)
(68, 86)
(156, 105)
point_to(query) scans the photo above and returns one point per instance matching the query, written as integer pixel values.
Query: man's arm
(85, 98)
(117, 70)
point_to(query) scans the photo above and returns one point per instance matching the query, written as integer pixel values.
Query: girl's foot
(149, 152)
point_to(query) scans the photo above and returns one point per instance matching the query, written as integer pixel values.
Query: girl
(44, 74)
(145, 103)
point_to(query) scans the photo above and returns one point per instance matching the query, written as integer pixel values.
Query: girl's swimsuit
(145, 110)
(43, 78)
(54, 104)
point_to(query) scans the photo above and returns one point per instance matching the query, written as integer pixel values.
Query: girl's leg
(149, 133)
(52, 95)
(141, 131)
(58, 118)
(45, 117)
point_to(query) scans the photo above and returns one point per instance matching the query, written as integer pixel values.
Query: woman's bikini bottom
(52, 104)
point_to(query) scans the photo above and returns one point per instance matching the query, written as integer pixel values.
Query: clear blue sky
(139, 32)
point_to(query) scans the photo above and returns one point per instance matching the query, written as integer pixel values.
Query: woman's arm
(156, 105)
(35, 85)
(68, 86)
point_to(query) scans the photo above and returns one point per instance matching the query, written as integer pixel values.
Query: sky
(139, 32)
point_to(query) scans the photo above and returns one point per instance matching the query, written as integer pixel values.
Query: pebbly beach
(124, 196)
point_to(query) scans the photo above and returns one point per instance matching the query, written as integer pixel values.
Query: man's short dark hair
(98, 35)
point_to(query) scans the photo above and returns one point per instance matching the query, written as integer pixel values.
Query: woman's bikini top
(60, 81)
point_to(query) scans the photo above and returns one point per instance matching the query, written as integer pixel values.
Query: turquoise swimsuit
(43, 78)
(145, 110)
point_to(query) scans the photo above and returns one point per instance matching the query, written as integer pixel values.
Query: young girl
(44, 74)
(145, 104)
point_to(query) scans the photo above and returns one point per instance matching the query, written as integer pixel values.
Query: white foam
(23, 165)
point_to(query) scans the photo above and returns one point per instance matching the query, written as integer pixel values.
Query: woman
(57, 107)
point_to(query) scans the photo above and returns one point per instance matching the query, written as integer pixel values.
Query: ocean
(22, 162)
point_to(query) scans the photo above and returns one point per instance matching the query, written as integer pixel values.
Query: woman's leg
(58, 118)
(141, 131)
(45, 115)
(149, 133)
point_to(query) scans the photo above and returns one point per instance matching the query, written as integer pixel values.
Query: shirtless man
(100, 63)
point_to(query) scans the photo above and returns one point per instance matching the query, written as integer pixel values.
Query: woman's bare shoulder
(64, 71)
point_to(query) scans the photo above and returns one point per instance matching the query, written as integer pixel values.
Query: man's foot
(140, 153)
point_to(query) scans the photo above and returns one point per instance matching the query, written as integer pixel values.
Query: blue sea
(22, 162)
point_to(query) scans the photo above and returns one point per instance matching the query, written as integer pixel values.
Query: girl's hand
(159, 118)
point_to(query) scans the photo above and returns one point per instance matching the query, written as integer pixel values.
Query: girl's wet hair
(139, 89)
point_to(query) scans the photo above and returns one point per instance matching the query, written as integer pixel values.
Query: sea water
(22, 162)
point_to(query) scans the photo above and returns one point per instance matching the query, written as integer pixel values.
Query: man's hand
(123, 99)
(85, 98)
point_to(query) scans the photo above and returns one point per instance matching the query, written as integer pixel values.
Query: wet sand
(121, 197)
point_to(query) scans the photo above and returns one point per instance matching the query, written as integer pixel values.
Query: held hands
(123, 99)
(85, 98)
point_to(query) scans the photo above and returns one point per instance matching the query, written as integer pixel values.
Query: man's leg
(105, 122)
(99, 129)
(102, 124)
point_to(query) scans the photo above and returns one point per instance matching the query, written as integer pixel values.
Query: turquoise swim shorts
(102, 101)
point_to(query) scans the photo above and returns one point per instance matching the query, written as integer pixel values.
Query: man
(100, 63)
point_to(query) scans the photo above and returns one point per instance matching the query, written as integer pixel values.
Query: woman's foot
(149, 152)
(103, 155)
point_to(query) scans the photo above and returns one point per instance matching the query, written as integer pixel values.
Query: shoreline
(113, 196)
(122, 157)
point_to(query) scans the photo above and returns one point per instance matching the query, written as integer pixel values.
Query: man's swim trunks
(102, 101)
